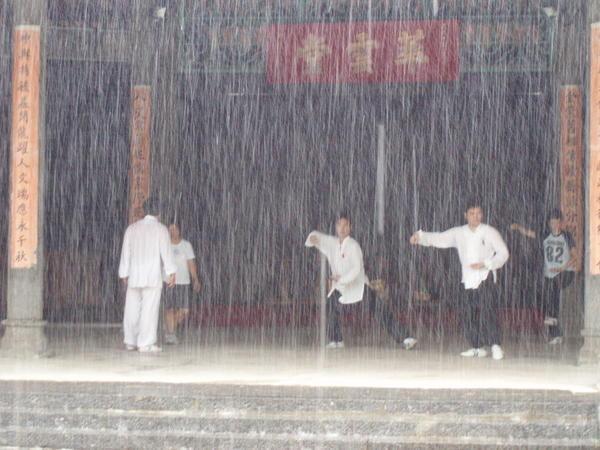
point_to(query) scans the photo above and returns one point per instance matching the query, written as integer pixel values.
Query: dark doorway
(87, 135)
(259, 171)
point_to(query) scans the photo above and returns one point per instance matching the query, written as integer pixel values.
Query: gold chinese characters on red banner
(363, 52)
(25, 147)
(594, 161)
(139, 170)
(571, 165)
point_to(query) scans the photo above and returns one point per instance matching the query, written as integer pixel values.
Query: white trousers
(140, 320)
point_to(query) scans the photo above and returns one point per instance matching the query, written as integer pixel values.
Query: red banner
(361, 52)
(139, 170)
(594, 158)
(25, 147)
(571, 164)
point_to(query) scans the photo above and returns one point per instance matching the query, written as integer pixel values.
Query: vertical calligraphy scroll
(139, 171)
(25, 147)
(571, 165)
(594, 160)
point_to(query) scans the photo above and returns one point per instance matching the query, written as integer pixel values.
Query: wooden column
(590, 352)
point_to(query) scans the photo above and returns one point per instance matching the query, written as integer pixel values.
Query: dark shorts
(177, 297)
(562, 280)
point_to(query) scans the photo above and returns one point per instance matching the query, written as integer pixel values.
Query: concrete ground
(293, 358)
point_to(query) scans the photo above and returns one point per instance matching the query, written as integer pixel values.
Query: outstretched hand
(377, 285)
(414, 239)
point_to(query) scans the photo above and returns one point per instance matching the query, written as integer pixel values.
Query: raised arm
(527, 232)
(445, 239)
(322, 242)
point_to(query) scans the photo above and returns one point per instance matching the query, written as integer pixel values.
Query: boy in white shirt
(177, 299)
(482, 252)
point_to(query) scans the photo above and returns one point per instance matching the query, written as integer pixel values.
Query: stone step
(139, 415)
(342, 422)
(222, 404)
(154, 396)
(106, 439)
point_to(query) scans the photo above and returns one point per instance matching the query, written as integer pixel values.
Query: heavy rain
(303, 158)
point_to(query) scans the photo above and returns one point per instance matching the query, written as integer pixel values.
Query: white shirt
(182, 253)
(145, 246)
(346, 262)
(482, 245)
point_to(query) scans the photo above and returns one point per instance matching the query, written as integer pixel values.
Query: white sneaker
(474, 352)
(150, 349)
(556, 341)
(340, 344)
(551, 321)
(331, 345)
(409, 343)
(497, 352)
(130, 348)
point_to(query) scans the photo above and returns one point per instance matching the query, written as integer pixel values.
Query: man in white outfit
(482, 252)
(348, 277)
(350, 284)
(146, 250)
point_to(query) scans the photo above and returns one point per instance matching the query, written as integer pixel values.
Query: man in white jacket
(146, 251)
(482, 252)
(348, 277)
